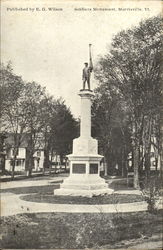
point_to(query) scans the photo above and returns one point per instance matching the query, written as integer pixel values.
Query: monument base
(83, 185)
(82, 193)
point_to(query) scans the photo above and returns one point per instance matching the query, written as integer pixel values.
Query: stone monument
(84, 178)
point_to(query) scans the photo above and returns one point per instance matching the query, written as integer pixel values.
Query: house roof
(9, 141)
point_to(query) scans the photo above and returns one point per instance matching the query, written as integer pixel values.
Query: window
(152, 154)
(38, 153)
(13, 150)
(18, 163)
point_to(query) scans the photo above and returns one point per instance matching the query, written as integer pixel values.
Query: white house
(21, 155)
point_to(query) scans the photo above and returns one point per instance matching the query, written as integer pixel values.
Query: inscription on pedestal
(78, 168)
(93, 168)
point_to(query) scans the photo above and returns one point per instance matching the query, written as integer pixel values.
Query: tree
(63, 129)
(109, 125)
(13, 117)
(47, 112)
(132, 69)
(32, 105)
(2, 152)
(29, 113)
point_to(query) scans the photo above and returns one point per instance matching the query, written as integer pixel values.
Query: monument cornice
(86, 93)
(89, 157)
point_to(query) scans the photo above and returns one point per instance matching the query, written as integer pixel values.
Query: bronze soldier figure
(87, 70)
(86, 76)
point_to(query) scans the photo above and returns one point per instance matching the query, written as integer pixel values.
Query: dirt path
(12, 204)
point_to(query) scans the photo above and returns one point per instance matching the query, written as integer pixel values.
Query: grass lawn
(64, 230)
(106, 199)
(46, 189)
(46, 194)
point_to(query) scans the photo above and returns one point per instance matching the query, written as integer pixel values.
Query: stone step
(83, 187)
(83, 193)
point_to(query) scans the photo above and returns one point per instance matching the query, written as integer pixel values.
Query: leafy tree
(132, 69)
(63, 129)
(2, 152)
(33, 96)
(30, 114)
(13, 117)
(47, 112)
(109, 125)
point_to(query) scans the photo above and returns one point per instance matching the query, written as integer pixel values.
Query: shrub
(151, 192)
(18, 232)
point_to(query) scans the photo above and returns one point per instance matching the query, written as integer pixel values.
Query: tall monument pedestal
(84, 179)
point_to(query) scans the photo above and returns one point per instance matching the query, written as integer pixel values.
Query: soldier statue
(87, 71)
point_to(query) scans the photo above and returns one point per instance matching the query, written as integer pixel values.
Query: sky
(50, 47)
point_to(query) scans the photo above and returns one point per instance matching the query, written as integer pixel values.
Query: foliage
(12, 113)
(132, 70)
(66, 230)
(63, 129)
(16, 233)
(151, 193)
(33, 96)
(110, 126)
(30, 113)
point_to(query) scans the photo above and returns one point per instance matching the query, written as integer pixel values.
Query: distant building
(154, 156)
(38, 155)
(21, 154)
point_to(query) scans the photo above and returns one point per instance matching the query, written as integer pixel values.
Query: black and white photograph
(81, 124)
